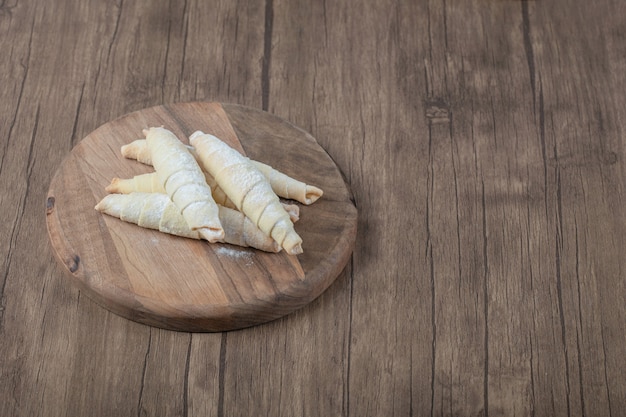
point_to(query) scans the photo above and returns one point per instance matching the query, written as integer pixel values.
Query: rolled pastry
(137, 149)
(248, 188)
(287, 187)
(183, 180)
(149, 183)
(156, 211)
(282, 184)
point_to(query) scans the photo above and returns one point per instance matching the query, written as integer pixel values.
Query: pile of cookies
(208, 190)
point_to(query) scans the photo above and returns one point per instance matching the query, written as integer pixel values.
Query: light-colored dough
(247, 188)
(183, 180)
(283, 185)
(157, 211)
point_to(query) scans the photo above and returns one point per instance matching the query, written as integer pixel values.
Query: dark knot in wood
(50, 204)
(73, 263)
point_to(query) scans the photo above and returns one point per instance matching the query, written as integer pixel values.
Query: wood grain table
(483, 142)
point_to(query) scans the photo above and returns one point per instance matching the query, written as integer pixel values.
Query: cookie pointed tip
(195, 134)
(213, 235)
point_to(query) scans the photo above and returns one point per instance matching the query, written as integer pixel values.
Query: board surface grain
(184, 284)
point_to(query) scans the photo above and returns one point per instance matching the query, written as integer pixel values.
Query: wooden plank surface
(482, 140)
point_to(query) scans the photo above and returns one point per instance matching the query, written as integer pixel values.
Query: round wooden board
(185, 284)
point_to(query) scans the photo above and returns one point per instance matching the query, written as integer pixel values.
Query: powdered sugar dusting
(245, 256)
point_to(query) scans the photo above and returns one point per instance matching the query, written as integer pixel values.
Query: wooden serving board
(192, 285)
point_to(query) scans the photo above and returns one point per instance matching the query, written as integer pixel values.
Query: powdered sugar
(243, 255)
